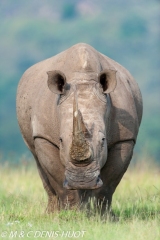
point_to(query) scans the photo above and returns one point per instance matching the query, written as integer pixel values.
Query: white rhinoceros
(79, 113)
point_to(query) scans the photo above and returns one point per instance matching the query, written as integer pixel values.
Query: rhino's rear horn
(56, 81)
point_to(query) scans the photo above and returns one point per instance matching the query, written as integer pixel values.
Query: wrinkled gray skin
(79, 113)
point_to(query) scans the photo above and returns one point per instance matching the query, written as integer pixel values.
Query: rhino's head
(83, 106)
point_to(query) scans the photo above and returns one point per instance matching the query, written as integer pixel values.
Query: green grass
(23, 202)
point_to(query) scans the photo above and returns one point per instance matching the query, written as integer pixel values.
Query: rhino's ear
(56, 81)
(108, 81)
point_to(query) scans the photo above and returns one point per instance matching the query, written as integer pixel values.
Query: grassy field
(23, 201)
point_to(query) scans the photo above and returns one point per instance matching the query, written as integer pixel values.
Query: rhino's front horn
(80, 149)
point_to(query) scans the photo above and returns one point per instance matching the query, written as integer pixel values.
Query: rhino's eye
(60, 139)
(101, 139)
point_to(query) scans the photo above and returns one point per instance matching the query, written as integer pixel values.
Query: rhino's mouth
(87, 177)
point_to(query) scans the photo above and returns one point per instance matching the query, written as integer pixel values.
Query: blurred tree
(24, 63)
(133, 26)
(69, 10)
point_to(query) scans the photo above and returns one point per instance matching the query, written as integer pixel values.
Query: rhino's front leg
(52, 198)
(52, 174)
(119, 157)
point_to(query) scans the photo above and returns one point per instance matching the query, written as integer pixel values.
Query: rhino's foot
(110, 216)
(53, 205)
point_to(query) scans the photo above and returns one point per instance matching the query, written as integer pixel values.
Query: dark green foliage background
(126, 31)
